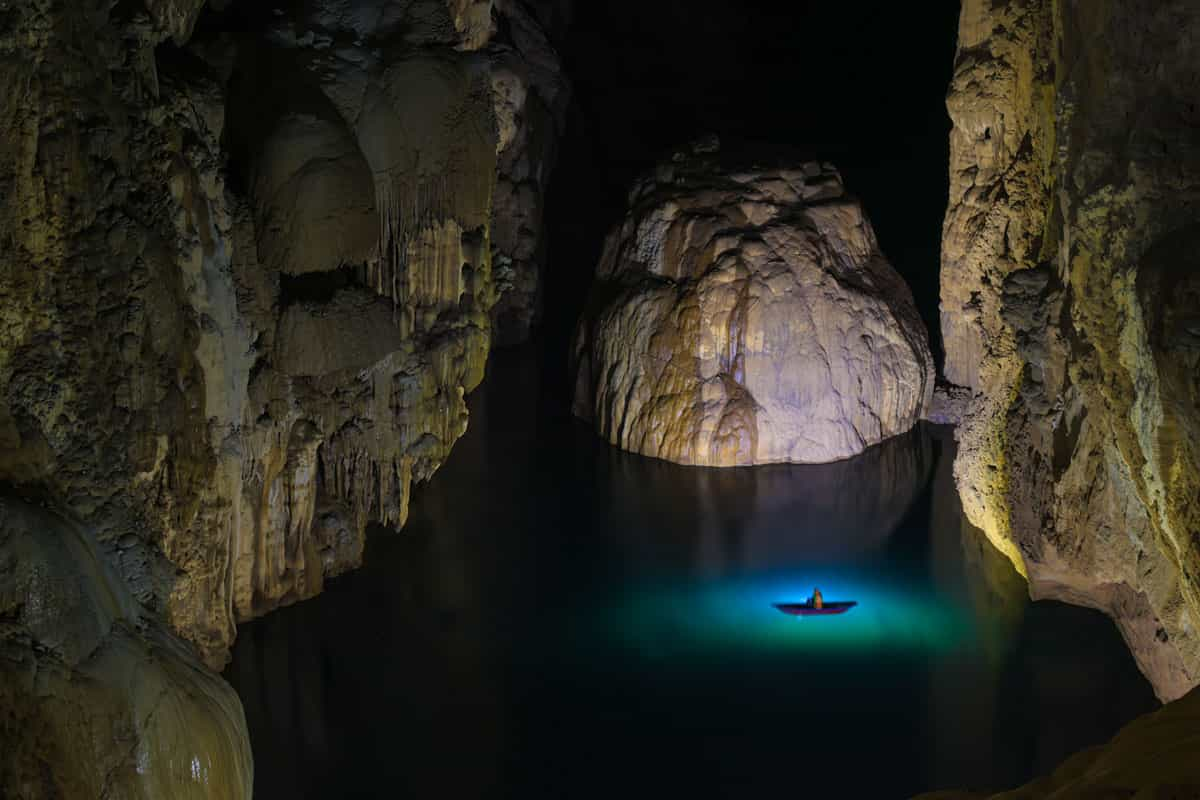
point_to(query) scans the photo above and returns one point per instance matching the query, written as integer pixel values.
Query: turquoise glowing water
(560, 619)
(735, 616)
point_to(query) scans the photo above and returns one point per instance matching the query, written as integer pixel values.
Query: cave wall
(97, 697)
(245, 283)
(364, 138)
(532, 96)
(1070, 289)
(249, 280)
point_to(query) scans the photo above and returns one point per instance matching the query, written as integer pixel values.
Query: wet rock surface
(746, 316)
(97, 698)
(1069, 296)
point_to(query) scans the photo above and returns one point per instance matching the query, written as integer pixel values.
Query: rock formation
(1070, 291)
(242, 366)
(245, 283)
(747, 316)
(531, 97)
(362, 265)
(98, 699)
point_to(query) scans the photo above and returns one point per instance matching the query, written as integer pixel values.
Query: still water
(560, 619)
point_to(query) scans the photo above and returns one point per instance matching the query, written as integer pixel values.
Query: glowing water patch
(736, 616)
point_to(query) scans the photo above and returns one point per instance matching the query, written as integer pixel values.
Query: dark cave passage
(317, 287)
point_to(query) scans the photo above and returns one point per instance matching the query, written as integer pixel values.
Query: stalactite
(408, 210)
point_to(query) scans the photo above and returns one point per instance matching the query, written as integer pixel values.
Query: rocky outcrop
(531, 96)
(1069, 296)
(245, 284)
(362, 262)
(250, 279)
(747, 316)
(97, 699)
(1153, 756)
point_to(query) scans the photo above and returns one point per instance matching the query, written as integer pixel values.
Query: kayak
(809, 610)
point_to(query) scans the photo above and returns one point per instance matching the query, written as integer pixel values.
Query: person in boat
(817, 600)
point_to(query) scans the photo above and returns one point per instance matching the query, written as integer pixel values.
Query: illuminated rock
(1070, 291)
(747, 317)
(98, 699)
(473, 22)
(248, 285)
(363, 262)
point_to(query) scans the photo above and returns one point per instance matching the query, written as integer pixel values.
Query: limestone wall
(1070, 289)
(747, 316)
(245, 283)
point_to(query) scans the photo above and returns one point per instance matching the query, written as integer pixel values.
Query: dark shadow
(860, 85)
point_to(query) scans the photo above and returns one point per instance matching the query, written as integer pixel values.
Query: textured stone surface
(97, 699)
(746, 316)
(1070, 288)
(949, 404)
(1153, 757)
(245, 282)
(531, 96)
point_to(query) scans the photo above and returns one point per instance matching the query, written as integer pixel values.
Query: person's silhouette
(817, 600)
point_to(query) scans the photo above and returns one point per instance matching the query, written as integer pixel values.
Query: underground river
(562, 619)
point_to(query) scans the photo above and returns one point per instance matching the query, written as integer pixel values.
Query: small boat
(807, 609)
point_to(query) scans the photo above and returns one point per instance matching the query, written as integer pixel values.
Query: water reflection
(754, 518)
(563, 620)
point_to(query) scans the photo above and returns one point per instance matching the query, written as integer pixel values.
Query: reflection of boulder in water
(769, 515)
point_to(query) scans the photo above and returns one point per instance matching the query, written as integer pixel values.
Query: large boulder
(250, 281)
(1069, 289)
(747, 316)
